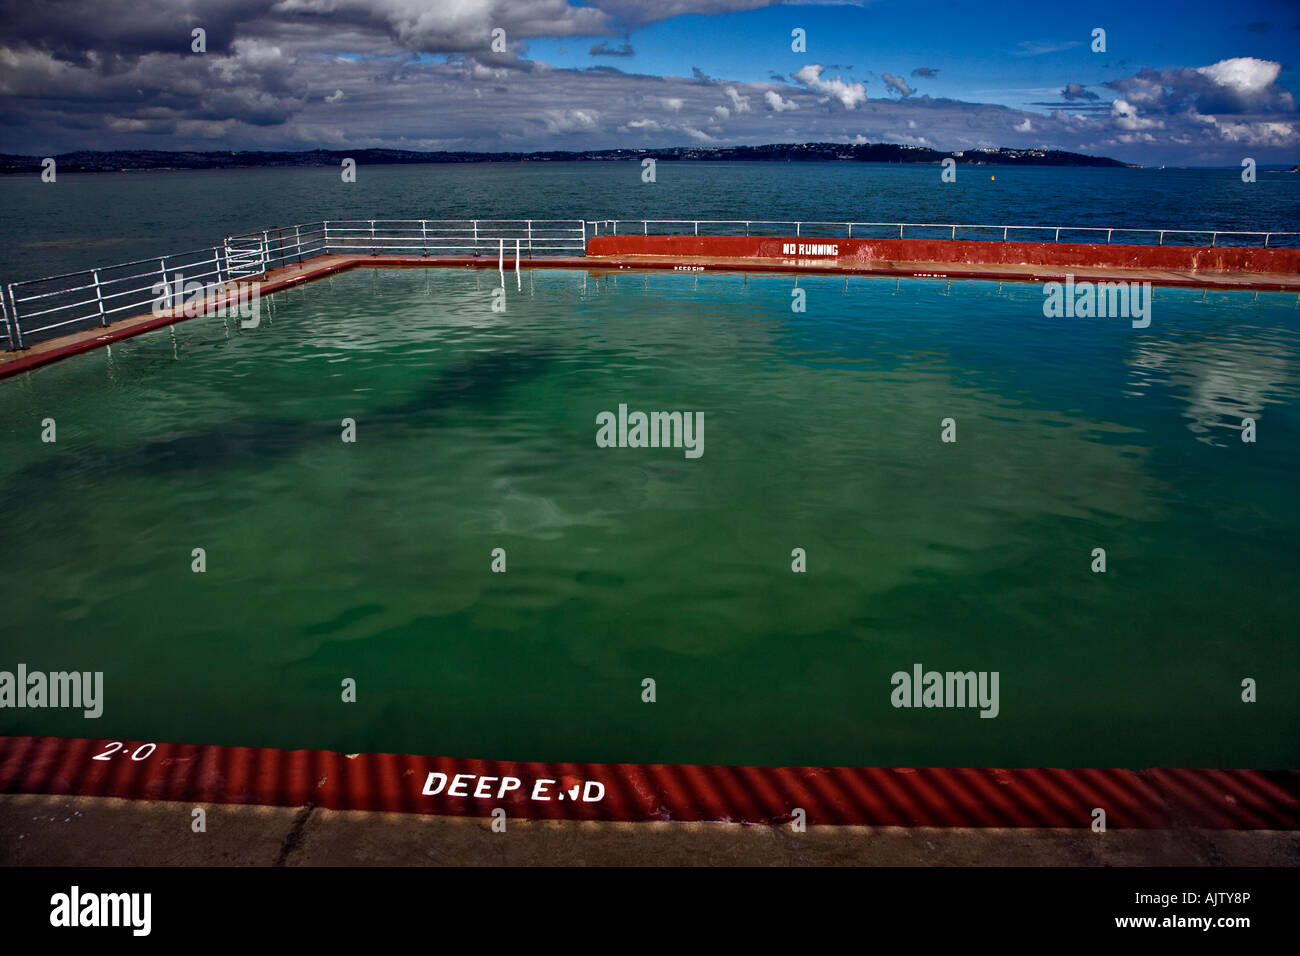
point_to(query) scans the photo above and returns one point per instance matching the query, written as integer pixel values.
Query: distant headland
(128, 160)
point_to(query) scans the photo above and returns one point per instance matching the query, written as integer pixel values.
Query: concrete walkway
(38, 830)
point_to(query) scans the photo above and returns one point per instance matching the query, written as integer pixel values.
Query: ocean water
(476, 430)
(86, 220)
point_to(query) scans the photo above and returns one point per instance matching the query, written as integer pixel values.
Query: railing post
(1266, 235)
(1162, 237)
(297, 241)
(1108, 232)
(266, 250)
(9, 328)
(850, 225)
(475, 236)
(797, 227)
(372, 237)
(1004, 233)
(954, 233)
(530, 238)
(162, 268)
(1058, 234)
(424, 236)
(15, 325)
(900, 230)
(645, 227)
(516, 257)
(99, 297)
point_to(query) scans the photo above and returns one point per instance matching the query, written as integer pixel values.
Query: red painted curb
(807, 250)
(1146, 799)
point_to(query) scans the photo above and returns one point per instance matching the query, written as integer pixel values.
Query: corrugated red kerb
(939, 797)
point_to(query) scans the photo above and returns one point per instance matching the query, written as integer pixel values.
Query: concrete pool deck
(43, 830)
(319, 267)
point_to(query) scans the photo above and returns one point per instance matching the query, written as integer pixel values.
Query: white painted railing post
(530, 238)
(297, 241)
(15, 325)
(424, 235)
(99, 297)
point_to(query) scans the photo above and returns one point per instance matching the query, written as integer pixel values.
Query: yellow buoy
(992, 178)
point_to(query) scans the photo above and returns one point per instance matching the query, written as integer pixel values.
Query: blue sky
(1012, 53)
(1194, 83)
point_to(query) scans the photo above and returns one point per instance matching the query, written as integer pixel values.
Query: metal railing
(825, 229)
(75, 301)
(36, 308)
(448, 236)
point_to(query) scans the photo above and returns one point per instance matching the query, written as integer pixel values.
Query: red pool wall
(940, 251)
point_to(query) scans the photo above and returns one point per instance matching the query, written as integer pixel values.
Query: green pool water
(476, 430)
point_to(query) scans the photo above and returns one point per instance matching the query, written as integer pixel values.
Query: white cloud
(1024, 127)
(778, 105)
(1126, 117)
(570, 121)
(1244, 75)
(739, 103)
(850, 95)
(1260, 134)
(334, 97)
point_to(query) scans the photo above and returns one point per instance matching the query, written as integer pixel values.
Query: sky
(1178, 83)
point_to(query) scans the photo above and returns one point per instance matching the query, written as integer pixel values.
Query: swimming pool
(476, 430)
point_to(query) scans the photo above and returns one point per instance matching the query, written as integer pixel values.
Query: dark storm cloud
(1076, 91)
(604, 49)
(925, 72)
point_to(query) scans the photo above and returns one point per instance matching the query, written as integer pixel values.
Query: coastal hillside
(123, 160)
